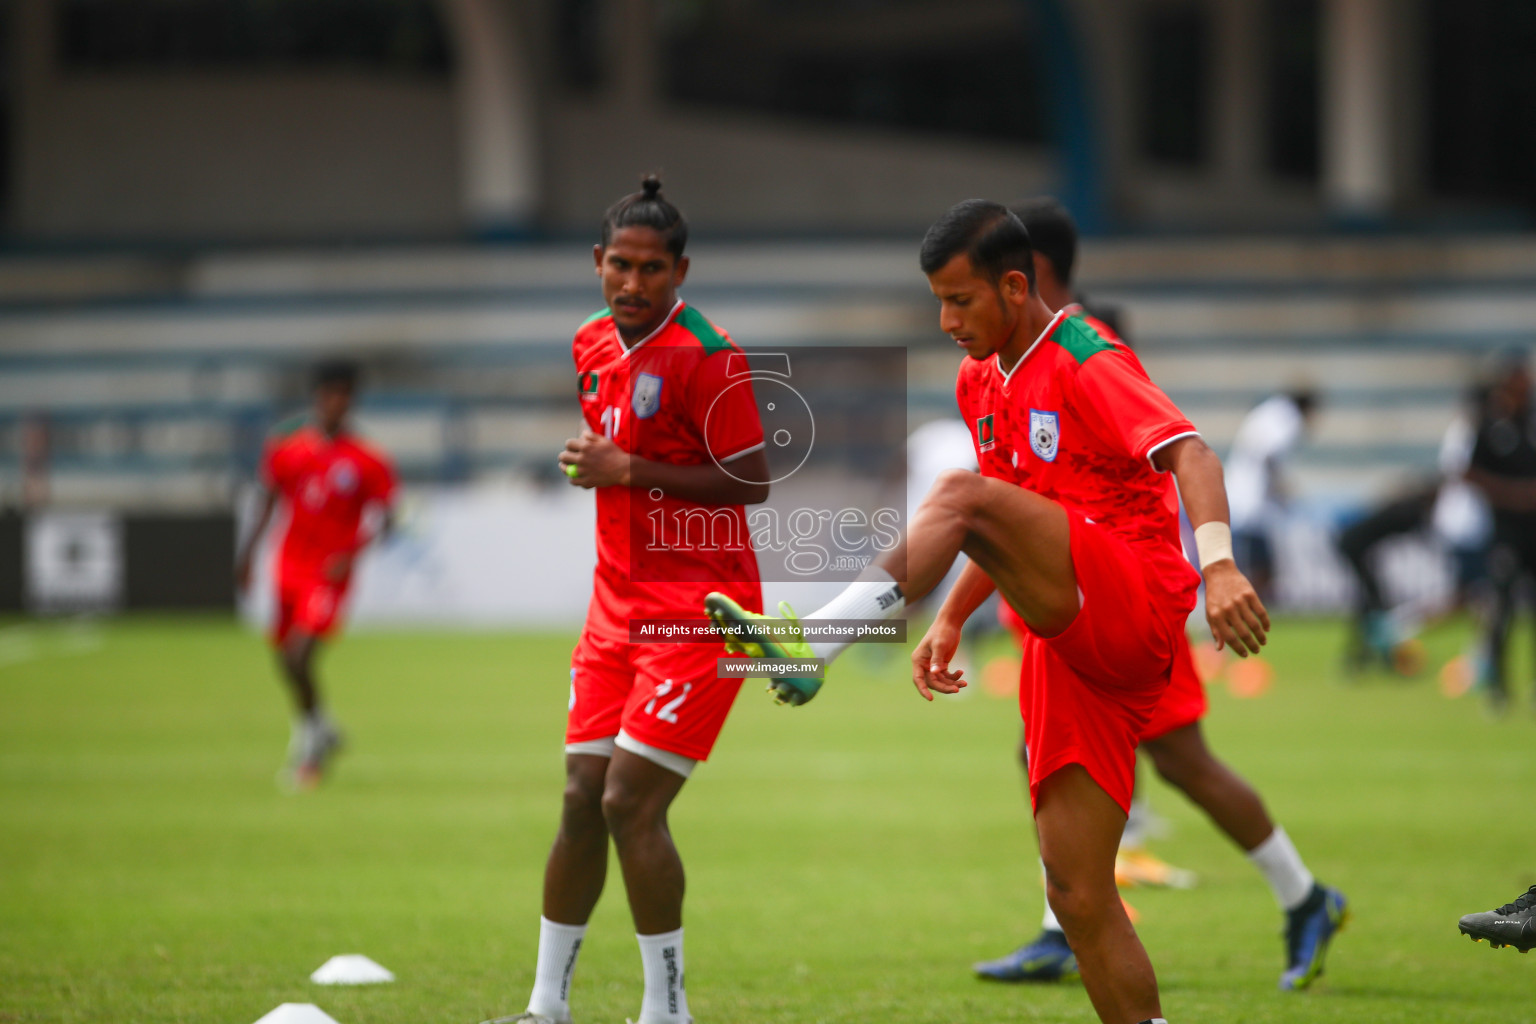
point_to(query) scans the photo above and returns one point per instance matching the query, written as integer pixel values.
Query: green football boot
(744, 635)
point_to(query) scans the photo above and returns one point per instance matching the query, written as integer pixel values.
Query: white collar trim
(627, 349)
(997, 360)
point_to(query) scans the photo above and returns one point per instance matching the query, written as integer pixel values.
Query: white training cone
(298, 1013)
(351, 969)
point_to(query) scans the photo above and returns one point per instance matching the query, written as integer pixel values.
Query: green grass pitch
(847, 861)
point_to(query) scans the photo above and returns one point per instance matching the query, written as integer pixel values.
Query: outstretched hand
(1233, 609)
(930, 661)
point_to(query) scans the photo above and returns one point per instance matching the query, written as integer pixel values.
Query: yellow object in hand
(571, 471)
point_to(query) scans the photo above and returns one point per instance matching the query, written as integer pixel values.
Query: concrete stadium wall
(251, 155)
(745, 173)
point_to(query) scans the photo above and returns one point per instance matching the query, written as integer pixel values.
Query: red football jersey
(681, 395)
(328, 483)
(1077, 420)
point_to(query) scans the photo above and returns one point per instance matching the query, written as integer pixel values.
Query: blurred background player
(1256, 489)
(328, 479)
(1456, 516)
(1173, 739)
(1503, 467)
(642, 715)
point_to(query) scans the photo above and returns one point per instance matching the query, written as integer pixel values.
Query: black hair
(648, 208)
(1305, 396)
(336, 372)
(1052, 232)
(988, 233)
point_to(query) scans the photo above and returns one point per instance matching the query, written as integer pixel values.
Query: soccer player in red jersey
(328, 478)
(1172, 737)
(673, 449)
(1074, 518)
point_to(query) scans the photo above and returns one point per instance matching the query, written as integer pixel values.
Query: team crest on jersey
(1044, 434)
(647, 396)
(587, 382)
(985, 438)
(343, 477)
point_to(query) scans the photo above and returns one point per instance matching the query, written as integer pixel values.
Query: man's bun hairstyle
(1052, 232)
(648, 208)
(988, 233)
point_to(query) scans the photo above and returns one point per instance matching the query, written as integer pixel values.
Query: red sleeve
(384, 482)
(273, 472)
(1121, 405)
(723, 406)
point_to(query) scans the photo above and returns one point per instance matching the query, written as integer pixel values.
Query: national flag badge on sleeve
(587, 383)
(985, 438)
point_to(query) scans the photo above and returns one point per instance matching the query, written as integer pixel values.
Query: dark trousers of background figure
(1511, 560)
(1405, 515)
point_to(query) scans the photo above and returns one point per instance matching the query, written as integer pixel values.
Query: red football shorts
(1089, 694)
(1184, 702)
(664, 695)
(307, 604)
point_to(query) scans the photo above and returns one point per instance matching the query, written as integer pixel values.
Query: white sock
(308, 729)
(1048, 919)
(874, 595)
(661, 959)
(1281, 866)
(558, 946)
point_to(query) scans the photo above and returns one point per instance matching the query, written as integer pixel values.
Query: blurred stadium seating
(155, 383)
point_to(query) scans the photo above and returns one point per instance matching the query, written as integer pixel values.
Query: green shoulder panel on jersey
(605, 311)
(1081, 340)
(692, 321)
(282, 428)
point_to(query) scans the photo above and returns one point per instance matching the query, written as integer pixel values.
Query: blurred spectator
(1377, 636)
(1461, 519)
(1256, 492)
(1504, 467)
(1458, 517)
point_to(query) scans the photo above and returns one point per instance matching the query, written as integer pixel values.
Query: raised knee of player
(953, 489)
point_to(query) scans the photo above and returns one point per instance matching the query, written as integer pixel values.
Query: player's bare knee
(1071, 905)
(954, 491)
(1082, 909)
(624, 807)
(583, 802)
